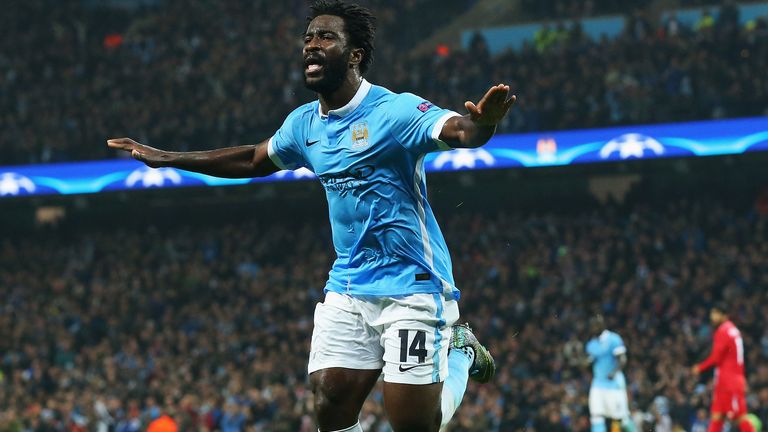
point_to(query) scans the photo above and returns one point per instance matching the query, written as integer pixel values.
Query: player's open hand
(695, 370)
(149, 155)
(492, 107)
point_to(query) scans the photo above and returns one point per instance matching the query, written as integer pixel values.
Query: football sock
(459, 362)
(715, 425)
(598, 424)
(355, 428)
(627, 425)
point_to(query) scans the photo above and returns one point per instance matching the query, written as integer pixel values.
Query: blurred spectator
(196, 75)
(144, 322)
(165, 424)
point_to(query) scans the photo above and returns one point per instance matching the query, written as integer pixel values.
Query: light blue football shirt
(369, 157)
(603, 350)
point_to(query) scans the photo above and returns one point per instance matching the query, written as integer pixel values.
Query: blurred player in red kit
(729, 401)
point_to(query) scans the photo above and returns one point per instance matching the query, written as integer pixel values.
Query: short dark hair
(359, 23)
(722, 306)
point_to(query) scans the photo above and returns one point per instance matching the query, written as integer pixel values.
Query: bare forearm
(469, 134)
(230, 162)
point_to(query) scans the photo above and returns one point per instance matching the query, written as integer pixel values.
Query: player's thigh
(597, 403)
(617, 404)
(416, 333)
(738, 399)
(721, 404)
(416, 336)
(342, 338)
(413, 407)
(344, 363)
(339, 395)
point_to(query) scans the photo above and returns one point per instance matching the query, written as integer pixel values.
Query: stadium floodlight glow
(703, 138)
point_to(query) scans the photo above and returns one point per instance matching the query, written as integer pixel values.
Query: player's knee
(327, 395)
(416, 423)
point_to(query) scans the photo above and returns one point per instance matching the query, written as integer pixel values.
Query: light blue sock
(598, 424)
(455, 384)
(628, 425)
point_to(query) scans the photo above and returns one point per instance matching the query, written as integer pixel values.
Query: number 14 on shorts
(416, 349)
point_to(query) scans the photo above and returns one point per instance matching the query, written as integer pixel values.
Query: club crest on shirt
(359, 135)
(424, 106)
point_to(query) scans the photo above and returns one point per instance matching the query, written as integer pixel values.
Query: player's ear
(356, 57)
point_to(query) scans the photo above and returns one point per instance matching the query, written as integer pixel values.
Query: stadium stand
(191, 75)
(122, 326)
(110, 328)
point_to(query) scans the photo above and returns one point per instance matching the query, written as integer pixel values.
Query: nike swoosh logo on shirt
(309, 143)
(402, 369)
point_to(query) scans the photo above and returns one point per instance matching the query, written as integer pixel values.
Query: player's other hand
(695, 370)
(492, 107)
(149, 155)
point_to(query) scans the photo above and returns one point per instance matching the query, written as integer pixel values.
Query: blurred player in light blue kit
(608, 405)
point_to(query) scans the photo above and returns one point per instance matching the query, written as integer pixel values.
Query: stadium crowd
(105, 330)
(195, 74)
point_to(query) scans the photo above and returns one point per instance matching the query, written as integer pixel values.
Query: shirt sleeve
(285, 148)
(618, 346)
(719, 349)
(416, 123)
(588, 349)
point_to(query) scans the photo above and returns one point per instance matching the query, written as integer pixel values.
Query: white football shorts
(608, 403)
(406, 336)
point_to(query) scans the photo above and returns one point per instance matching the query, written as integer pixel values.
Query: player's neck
(342, 95)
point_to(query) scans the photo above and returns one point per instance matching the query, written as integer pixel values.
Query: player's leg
(715, 423)
(613, 425)
(467, 358)
(413, 408)
(599, 412)
(405, 415)
(597, 423)
(339, 396)
(628, 425)
(721, 404)
(740, 411)
(423, 382)
(344, 363)
(621, 411)
(461, 365)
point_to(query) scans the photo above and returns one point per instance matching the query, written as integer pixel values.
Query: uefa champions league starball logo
(464, 158)
(151, 177)
(632, 145)
(12, 184)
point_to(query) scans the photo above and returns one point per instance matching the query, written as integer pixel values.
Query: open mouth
(313, 66)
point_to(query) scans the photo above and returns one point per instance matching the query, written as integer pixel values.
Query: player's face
(326, 54)
(716, 316)
(596, 326)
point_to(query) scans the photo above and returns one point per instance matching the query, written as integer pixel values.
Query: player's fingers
(488, 95)
(499, 95)
(503, 92)
(511, 101)
(121, 143)
(136, 155)
(472, 108)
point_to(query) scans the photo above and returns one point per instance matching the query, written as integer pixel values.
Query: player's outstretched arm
(232, 162)
(719, 349)
(477, 127)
